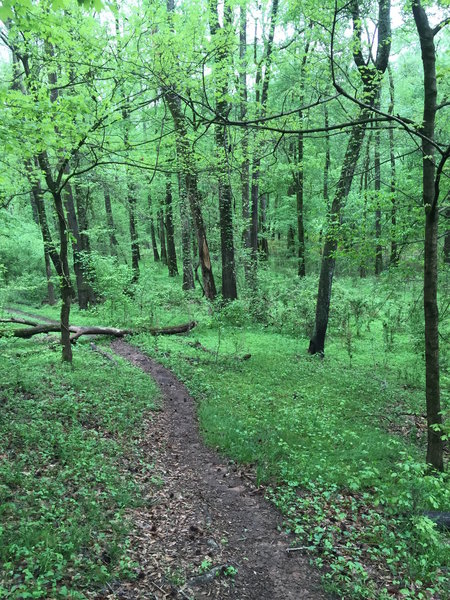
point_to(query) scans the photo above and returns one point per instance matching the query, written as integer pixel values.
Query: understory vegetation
(69, 449)
(337, 442)
(256, 194)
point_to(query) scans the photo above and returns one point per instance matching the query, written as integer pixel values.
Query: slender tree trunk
(377, 184)
(135, 251)
(162, 236)
(171, 251)
(326, 170)
(82, 200)
(290, 241)
(221, 73)
(371, 77)
(84, 290)
(263, 240)
(299, 197)
(394, 258)
(66, 287)
(262, 91)
(189, 171)
(364, 190)
(435, 449)
(38, 213)
(110, 221)
(188, 274)
(317, 343)
(152, 230)
(447, 239)
(245, 164)
(191, 182)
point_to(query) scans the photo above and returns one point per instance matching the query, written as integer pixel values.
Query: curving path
(205, 532)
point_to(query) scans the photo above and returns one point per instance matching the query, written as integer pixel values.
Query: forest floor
(209, 532)
(338, 444)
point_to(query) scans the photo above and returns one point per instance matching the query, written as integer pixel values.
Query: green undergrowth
(331, 443)
(340, 442)
(68, 444)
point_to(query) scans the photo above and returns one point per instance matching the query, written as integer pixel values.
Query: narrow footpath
(206, 530)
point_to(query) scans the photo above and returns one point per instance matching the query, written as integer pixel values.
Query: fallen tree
(78, 331)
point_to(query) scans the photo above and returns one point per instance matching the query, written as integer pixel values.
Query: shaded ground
(207, 531)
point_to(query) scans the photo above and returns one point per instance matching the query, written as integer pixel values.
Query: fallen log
(19, 321)
(79, 331)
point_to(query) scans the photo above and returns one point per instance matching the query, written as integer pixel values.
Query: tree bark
(371, 77)
(152, 230)
(435, 450)
(85, 293)
(171, 251)
(262, 90)
(78, 331)
(377, 186)
(243, 98)
(82, 200)
(263, 238)
(188, 273)
(299, 197)
(394, 258)
(447, 239)
(39, 215)
(189, 172)
(221, 72)
(162, 236)
(328, 263)
(135, 252)
(110, 221)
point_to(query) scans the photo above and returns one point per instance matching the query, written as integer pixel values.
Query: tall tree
(430, 189)
(222, 36)
(371, 71)
(170, 230)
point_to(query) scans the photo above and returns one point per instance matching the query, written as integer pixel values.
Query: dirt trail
(206, 512)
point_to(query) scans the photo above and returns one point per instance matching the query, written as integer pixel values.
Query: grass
(328, 440)
(339, 443)
(64, 486)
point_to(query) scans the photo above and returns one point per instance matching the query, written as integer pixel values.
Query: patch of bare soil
(206, 531)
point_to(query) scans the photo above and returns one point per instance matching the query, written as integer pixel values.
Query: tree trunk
(326, 169)
(171, 251)
(364, 190)
(82, 200)
(110, 221)
(36, 200)
(263, 238)
(299, 196)
(290, 241)
(317, 343)
(261, 93)
(66, 287)
(188, 274)
(189, 172)
(48, 272)
(377, 185)
(84, 290)
(394, 258)
(371, 77)
(162, 236)
(435, 449)
(447, 239)
(152, 230)
(245, 164)
(135, 252)
(221, 72)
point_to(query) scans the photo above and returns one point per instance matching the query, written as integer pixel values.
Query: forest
(224, 299)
